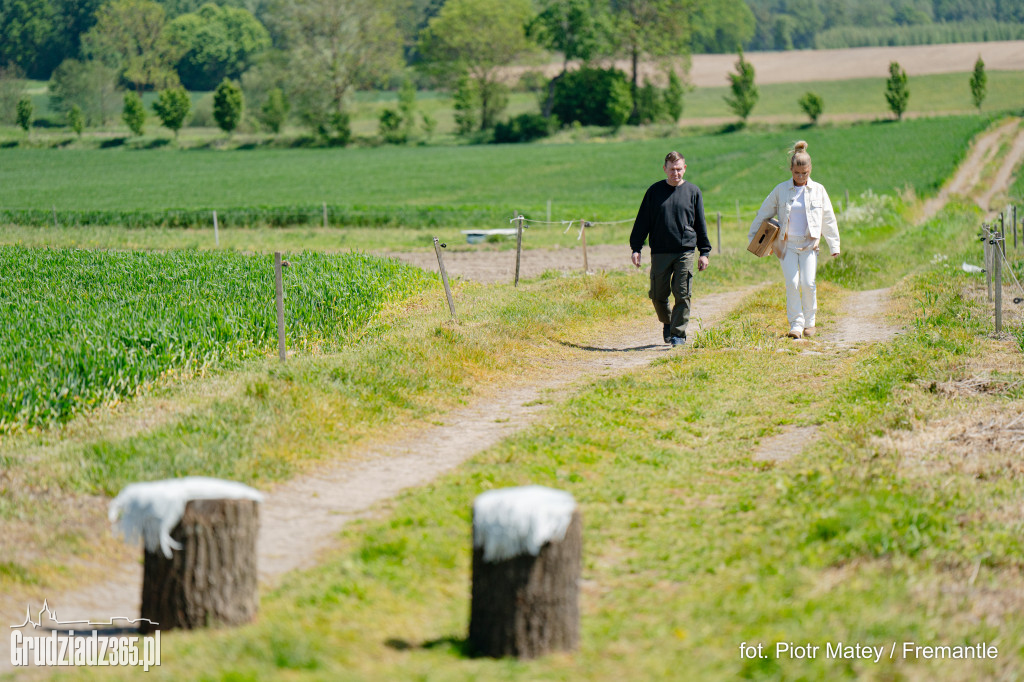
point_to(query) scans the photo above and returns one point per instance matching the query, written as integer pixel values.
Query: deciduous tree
(744, 92)
(131, 35)
(134, 113)
(650, 28)
(76, 119)
(24, 113)
(91, 85)
(218, 43)
(335, 46)
(812, 105)
(979, 83)
(172, 107)
(896, 91)
(228, 104)
(477, 37)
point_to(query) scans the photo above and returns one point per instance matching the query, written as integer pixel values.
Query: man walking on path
(672, 216)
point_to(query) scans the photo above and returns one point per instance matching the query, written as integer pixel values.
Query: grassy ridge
(477, 185)
(80, 328)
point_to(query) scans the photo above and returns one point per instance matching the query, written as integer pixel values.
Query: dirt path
(862, 322)
(300, 518)
(967, 179)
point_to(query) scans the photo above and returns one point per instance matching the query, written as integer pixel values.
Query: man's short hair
(672, 157)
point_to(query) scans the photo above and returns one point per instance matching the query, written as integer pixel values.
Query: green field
(83, 329)
(465, 185)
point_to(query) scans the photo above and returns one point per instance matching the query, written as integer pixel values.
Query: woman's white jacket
(821, 219)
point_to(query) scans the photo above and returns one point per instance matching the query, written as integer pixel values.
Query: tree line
(304, 58)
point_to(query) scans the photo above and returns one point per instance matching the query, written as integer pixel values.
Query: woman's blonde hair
(799, 156)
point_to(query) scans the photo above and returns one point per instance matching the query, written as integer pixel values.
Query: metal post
(719, 221)
(1015, 227)
(279, 286)
(216, 234)
(583, 236)
(846, 205)
(519, 245)
(997, 255)
(325, 215)
(54, 217)
(549, 210)
(444, 275)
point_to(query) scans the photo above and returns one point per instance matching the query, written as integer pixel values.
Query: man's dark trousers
(672, 272)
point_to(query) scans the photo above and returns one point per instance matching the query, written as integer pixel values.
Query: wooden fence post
(719, 223)
(444, 276)
(216, 234)
(583, 236)
(325, 215)
(998, 283)
(199, 536)
(527, 559)
(986, 240)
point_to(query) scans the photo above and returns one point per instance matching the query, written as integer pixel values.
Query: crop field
(464, 185)
(87, 328)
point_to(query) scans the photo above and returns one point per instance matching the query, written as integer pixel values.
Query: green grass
(82, 329)
(690, 546)
(948, 93)
(479, 185)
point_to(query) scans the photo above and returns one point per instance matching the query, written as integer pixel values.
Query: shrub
(523, 128)
(650, 105)
(134, 113)
(592, 96)
(274, 111)
(812, 105)
(227, 105)
(172, 108)
(674, 96)
(24, 113)
(76, 120)
(391, 128)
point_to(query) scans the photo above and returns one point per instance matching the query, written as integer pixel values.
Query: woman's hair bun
(800, 146)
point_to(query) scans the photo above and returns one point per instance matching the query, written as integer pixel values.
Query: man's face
(674, 172)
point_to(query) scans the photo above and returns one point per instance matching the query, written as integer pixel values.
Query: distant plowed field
(797, 66)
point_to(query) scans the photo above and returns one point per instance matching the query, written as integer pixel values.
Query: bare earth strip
(801, 66)
(300, 518)
(965, 181)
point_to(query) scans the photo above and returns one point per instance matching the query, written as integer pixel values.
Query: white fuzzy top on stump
(152, 510)
(509, 522)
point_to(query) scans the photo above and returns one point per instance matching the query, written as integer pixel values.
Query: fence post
(325, 215)
(846, 204)
(1014, 226)
(216, 234)
(997, 254)
(55, 217)
(719, 223)
(519, 245)
(279, 287)
(986, 239)
(583, 236)
(549, 210)
(444, 275)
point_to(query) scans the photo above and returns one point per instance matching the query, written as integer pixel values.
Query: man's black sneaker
(678, 341)
(667, 333)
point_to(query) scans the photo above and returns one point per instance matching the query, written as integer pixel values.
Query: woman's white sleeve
(769, 209)
(829, 226)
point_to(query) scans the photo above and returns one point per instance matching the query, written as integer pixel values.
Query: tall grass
(80, 329)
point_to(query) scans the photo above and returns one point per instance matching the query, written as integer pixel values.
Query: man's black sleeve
(641, 226)
(700, 226)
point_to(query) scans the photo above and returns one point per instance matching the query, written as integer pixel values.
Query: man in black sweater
(672, 215)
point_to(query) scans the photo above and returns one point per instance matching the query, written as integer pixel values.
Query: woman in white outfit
(805, 215)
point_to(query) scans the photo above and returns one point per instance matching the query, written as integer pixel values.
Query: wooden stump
(212, 578)
(527, 606)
